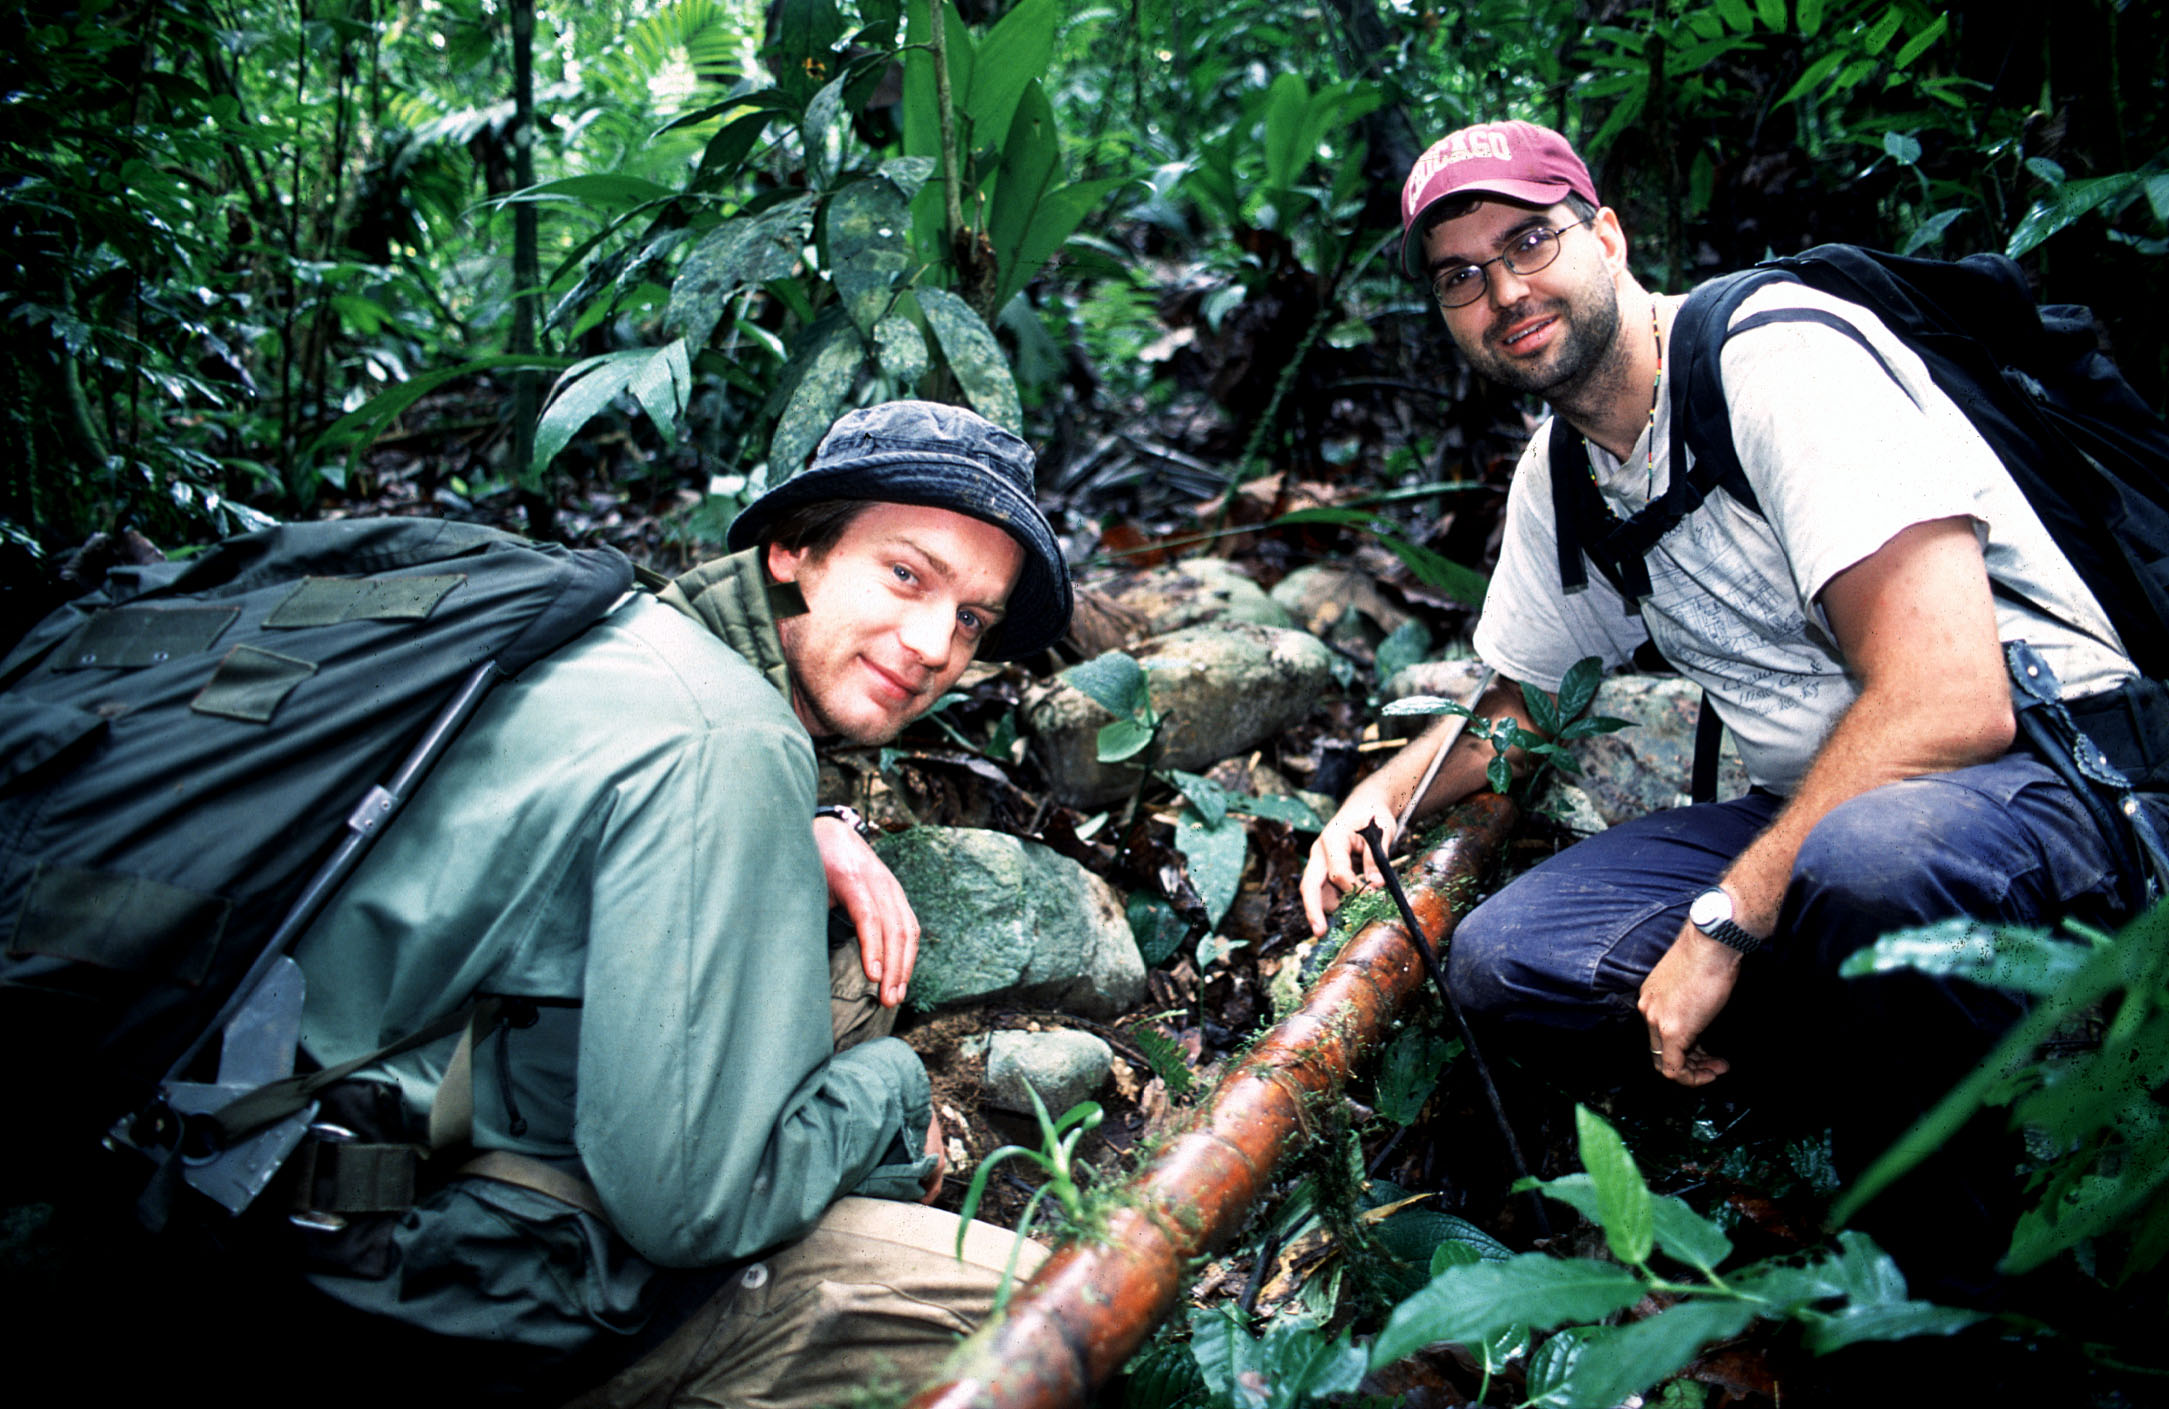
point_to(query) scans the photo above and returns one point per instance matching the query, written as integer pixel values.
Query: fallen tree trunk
(1094, 1302)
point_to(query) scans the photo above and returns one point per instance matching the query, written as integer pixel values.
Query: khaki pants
(872, 1298)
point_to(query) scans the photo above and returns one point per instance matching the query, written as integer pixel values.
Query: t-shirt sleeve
(1531, 630)
(714, 1119)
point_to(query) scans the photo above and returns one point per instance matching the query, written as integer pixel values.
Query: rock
(1194, 592)
(1221, 689)
(1320, 599)
(1000, 915)
(1065, 1067)
(1649, 767)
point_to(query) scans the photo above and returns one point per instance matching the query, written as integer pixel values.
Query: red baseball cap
(1517, 160)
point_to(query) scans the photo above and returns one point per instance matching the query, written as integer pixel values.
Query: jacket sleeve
(712, 1116)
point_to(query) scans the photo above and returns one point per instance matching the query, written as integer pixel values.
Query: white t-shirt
(1842, 460)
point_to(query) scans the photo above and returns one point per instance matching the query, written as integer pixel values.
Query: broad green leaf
(832, 362)
(1622, 1197)
(1456, 1253)
(1543, 712)
(1809, 13)
(662, 383)
(1158, 930)
(1468, 1304)
(1884, 29)
(2070, 203)
(1892, 1321)
(1301, 1365)
(1215, 855)
(801, 57)
(1422, 704)
(821, 134)
(974, 357)
(1123, 740)
(866, 248)
(901, 349)
(1773, 15)
(1031, 162)
(1057, 217)
(1207, 796)
(1821, 69)
(1686, 1235)
(1113, 680)
(1499, 774)
(908, 174)
(1012, 56)
(1903, 147)
(1553, 1361)
(1918, 44)
(1408, 1073)
(1783, 1288)
(1861, 1272)
(1408, 644)
(1279, 807)
(357, 428)
(1286, 104)
(1620, 1361)
(2024, 960)
(735, 256)
(2157, 195)
(1930, 231)
(580, 394)
(720, 160)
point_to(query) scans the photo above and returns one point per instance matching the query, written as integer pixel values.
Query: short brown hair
(814, 528)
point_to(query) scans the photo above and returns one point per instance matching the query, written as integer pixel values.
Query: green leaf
(1113, 680)
(580, 394)
(1821, 69)
(1903, 147)
(1012, 55)
(1215, 859)
(2024, 960)
(1158, 930)
(1423, 704)
(607, 191)
(1622, 1197)
(1408, 1073)
(1407, 644)
(1278, 807)
(867, 229)
(721, 159)
(1739, 17)
(1809, 12)
(1918, 44)
(1624, 1360)
(1500, 775)
(1686, 1235)
(832, 356)
(1889, 1322)
(1207, 796)
(974, 357)
(1286, 103)
(821, 134)
(1124, 739)
(662, 384)
(1930, 231)
(2065, 207)
(1468, 1304)
(1883, 30)
(901, 349)
(1553, 1362)
(737, 255)
(1543, 712)
(356, 429)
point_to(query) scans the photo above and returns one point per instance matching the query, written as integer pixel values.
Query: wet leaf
(1208, 797)
(1469, 1304)
(1279, 808)
(866, 230)
(1618, 1361)
(1158, 930)
(2026, 960)
(737, 255)
(901, 349)
(1408, 1073)
(1215, 858)
(974, 356)
(1114, 681)
(832, 364)
(1622, 1197)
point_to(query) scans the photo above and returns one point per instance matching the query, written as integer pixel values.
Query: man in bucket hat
(1850, 635)
(699, 1163)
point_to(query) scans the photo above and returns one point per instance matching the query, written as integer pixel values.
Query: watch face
(1711, 907)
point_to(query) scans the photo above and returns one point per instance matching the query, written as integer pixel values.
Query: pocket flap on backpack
(36, 736)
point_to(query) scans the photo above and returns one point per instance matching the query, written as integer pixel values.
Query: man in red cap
(1851, 635)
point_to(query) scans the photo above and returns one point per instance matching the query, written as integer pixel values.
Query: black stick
(1376, 840)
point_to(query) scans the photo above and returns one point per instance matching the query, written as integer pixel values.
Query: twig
(1422, 942)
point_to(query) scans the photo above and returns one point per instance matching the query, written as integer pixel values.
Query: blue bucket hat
(940, 457)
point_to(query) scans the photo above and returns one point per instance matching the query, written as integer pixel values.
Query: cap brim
(1540, 194)
(1039, 605)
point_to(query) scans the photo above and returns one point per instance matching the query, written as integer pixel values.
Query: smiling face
(1548, 333)
(895, 610)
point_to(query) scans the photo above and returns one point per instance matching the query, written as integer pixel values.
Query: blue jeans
(1567, 945)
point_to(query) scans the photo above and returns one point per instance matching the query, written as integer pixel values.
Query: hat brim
(1540, 194)
(1039, 605)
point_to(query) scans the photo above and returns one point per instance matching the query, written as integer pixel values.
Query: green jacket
(623, 834)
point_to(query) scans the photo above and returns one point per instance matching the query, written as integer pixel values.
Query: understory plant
(1559, 722)
(1056, 1158)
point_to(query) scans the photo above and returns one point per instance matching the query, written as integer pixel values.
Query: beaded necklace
(1649, 459)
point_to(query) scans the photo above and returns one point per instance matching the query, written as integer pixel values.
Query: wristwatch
(1711, 913)
(849, 816)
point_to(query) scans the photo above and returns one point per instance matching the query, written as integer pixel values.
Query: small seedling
(1557, 721)
(1055, 1157)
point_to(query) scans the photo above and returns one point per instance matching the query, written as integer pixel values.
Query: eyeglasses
(1534, 249)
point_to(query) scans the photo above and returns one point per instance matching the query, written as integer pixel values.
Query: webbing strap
(1709, 742)
(508, 1168)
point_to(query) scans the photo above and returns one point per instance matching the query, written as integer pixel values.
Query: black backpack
(2089, 455)
(192, 759)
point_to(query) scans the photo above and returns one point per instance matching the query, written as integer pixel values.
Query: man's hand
(1682, 995)
(941, 1160)
(1339, 860)
(870, 895)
